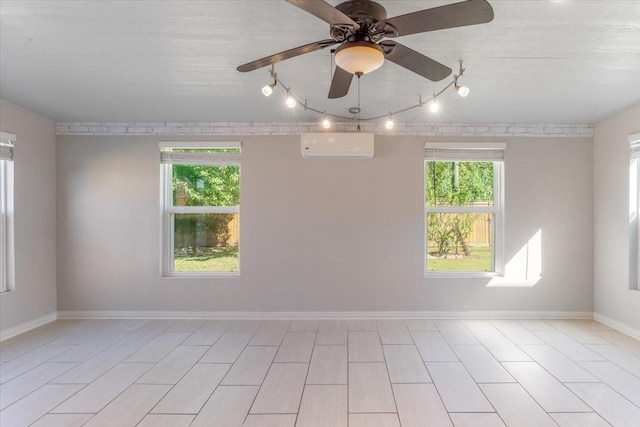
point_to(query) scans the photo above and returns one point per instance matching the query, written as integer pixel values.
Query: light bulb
(267, 90)
(290, 102)
(434, 107)
(463, 91)
(389, 124)
(326, 123)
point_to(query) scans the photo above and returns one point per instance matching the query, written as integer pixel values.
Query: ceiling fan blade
(470, 12)
(323, 10)
(300, 50)
(415, 61)
(340, 83)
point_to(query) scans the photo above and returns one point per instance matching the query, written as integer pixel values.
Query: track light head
(463, 91)
(434, 107)
(267, 90)
(290, 101)
(389, 123)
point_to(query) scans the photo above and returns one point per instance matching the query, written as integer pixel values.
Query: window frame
(7, 143)
(168, 210)
(470, 152)
(634, 212)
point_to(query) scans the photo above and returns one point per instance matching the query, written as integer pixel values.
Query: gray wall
(35, 218)
(611, 218)
(316, 235)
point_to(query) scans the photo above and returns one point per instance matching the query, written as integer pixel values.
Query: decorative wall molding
(277, 128)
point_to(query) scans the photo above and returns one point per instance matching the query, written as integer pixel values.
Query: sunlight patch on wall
(524, 269)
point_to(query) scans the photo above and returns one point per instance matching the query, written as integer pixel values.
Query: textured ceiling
(538, 61)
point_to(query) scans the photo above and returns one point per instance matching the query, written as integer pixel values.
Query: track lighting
(434, 107)
(463, 91)
(326, 123)
(389, 124)
(267, 90)
(290, 102)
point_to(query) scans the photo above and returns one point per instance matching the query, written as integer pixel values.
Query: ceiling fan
(360, 27)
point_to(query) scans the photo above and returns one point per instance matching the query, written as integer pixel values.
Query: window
(201, 197)
(634, 211)
(463, 207)
(6, 211)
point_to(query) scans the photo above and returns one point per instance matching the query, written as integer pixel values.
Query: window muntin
(6, 211)
(201, 213)
(463, 208)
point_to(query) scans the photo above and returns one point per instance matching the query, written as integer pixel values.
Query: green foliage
(458, 183)
(195, 185)
(198, 185)
(479, 259)
(222, 260)
(449, 231)
(455, 184)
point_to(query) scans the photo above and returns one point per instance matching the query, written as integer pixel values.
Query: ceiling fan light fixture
(359, 57)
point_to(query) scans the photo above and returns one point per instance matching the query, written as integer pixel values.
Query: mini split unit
(337, 145)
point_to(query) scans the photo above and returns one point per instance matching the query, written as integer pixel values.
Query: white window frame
(470, 152)
(168, 210)
(634, 212)
(7, 141)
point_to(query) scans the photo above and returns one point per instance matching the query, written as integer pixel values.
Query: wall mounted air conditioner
(344, 145)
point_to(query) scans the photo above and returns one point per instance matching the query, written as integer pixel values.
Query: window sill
(201, 275)
(460, 275)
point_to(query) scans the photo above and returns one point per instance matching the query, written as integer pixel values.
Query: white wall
(316, 235)
(34, 296)
(613, 298)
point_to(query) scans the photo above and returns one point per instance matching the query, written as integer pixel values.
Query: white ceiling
(538, 61)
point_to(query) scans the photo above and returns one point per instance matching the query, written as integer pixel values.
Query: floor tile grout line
(60, 335)
(384, 356)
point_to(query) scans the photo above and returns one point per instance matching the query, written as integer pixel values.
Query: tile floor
(357, 373)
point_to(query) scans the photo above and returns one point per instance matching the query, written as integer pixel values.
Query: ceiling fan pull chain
(359, 75)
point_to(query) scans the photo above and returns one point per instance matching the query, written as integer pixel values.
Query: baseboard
(27, 326)
(619, 326)
(325, 315)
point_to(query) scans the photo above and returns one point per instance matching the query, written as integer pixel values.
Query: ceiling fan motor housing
(363, 11)
(366, 13)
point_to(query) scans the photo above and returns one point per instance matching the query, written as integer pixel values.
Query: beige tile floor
(334, 373)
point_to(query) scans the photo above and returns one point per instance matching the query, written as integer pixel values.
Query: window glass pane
(205, 242)
(459, 241)
(195, 185)
(458, 183)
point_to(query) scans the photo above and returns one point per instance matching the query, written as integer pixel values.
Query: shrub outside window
(201, 214)
(463, 208)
